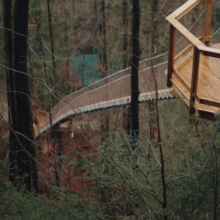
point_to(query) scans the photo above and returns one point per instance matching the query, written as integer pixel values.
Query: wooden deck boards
(208, 79)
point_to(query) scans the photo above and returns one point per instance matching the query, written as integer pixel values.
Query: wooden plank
(182, 53)
(208, 19)
(185, 8)
(205, 107)
(184, 67)
(171, 54)
(181, 90)
(181, 79)
(205, 38)
(211, 54)
(208, 102)
(194, 80)
(209, 51)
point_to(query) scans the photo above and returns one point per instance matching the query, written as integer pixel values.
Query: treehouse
(194, 58)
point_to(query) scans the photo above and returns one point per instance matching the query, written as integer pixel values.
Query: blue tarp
(86, 68)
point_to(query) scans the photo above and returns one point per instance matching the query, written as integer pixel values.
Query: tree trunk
(104, 49)
(96, 28)
(105, 64)
(51, 39)
(125, 32)
(127, 114)
(7, 20)
(153, 25)
(26, 162)
(50, 94)
(134, 70)
(67, 42)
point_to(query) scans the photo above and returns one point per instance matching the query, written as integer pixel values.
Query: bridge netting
(118, 85)
(113, 87)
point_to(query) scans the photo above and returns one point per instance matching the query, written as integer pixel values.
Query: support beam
(208, 19)
(185, 8)
(194, 81)
(209, 102)
(171, 55)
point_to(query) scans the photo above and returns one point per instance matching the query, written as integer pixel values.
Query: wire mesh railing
(209, 78)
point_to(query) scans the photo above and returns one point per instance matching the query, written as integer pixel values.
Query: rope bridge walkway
(111, 91)
(186, 33)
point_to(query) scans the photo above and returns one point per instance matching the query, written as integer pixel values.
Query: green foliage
(126, 184)
(20, 204)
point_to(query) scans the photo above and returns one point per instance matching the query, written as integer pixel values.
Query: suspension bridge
(191, 68)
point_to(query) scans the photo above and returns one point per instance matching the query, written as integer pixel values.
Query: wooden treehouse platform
(194, 73)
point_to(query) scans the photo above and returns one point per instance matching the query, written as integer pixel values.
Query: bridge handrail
(110, 76)
(199, 47)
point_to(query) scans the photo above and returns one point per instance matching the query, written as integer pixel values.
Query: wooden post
(171, 55)
(208, 19)
(194, 79)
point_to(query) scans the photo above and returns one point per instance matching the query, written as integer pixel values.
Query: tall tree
(105, 63)
(134, 69)
(152, 123)
(127, 114)
(25, 154)
(125, 31)
(154, 4)
(66, 39)
(95, 29)
(104, 48)
(7, 20)
(52, 133)
(51, 37)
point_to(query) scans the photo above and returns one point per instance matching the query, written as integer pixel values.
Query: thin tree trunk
(127, 115)
(152, 49)
(159, 145)
(51, 38)
(39, 41)
(105, 68)
(26, 162)
(107, 26)
(134, 71)
(96, 28)
(67, 43)
(125, 32)
(7, 19)
(83, 71)
(104, 49)
(50, 95)
(54, 140)
(153, 25)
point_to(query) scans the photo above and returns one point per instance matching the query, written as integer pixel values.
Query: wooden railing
(196, 44)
